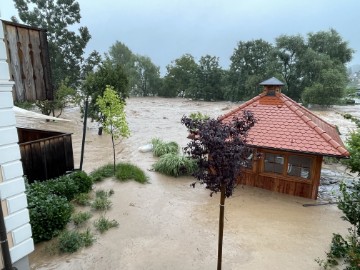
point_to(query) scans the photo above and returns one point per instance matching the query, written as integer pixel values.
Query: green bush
(82, 180)
(103, 224)
(175, 165)
(82, 199)
(102, 173)
(161, 148)
(71, 241)
(63, 186)
(101, 204)
(127, 171)
(49, 214)
(80, 218)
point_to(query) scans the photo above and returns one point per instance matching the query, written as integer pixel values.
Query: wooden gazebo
(289, 143)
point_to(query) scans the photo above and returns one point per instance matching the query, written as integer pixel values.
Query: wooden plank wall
(29, 63)
(47, 158)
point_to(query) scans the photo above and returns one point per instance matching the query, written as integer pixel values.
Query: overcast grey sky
(166, 29)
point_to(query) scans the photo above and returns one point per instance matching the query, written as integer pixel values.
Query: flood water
(166, 224)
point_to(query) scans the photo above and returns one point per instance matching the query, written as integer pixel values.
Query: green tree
(113, 119)
(290, 50)
(148, 77)
(251, 62)
(207, 83)
(66, 47)
(96, 83)
(179, 76)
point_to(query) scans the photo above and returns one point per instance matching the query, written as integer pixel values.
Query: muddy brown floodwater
(168, 225)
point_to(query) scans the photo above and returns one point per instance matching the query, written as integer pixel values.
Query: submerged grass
(123, 172)
(127, 171)
(175, 165)
(161, 148)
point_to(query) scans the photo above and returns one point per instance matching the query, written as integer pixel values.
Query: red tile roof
(284, 124)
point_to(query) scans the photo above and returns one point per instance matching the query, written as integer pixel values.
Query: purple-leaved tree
(220, 150)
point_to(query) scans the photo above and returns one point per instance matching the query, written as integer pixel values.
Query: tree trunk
(100, 130)
(113, 145)
(221, 225)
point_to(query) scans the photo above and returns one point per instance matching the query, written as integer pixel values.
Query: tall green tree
(66, 47)
(95, 84)
(208, 80)
(113, 119)
(290, 50)
(251, 62)
(179, 76)
(148, 77)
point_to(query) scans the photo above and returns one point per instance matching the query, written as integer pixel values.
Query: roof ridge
(298, 110)
(239, 108)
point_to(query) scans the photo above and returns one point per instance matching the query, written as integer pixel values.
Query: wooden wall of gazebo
(287, 178)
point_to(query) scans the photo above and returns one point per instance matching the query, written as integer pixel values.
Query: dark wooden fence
(45, 154)
(29, 62)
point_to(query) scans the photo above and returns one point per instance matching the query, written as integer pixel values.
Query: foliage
(179, 77)
(346, 250)
(82, 199)
(96, 83)
(66, 47)
(80, 218)
(102, 173)
(49, 206)
(219, 149)
(175, 165)
(126, 171)
(161, 148)
(101, 202)
(251, 63)
(143, 75)
(113, 117)
(103, 224)
(26, 105)
(83, 181)
(71, 241)
(49, 213)
(353, 143)
(199, 116)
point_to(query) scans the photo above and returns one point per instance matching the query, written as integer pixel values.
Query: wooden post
(221, 225)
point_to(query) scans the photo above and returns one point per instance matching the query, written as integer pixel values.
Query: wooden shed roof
(284, 124)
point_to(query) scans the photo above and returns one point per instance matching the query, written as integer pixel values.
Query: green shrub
(63, 186)
(82, 180)
(80, 218)
(49, 214)
(70, 241)
(82, 199)
(101, 204)
(103, 224)
(126, 171)
(102, 173)
(161, 148)
(175, 165)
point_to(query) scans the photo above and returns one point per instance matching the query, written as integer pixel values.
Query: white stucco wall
(12, 185)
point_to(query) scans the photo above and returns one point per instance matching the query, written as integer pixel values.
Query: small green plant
(127, 171)
(82, 199)
(26, 105)
(87, 238)
(71, 241)
(161, 148)
(80, 218)
(175, 165)
(102, 173)
(101, 203)
(199, 116)
(103, 224)
(82, 180)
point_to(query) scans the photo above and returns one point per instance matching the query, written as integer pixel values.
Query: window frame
(284, 173)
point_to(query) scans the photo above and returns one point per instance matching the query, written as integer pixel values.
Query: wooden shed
(45, 154)
(288, 143)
